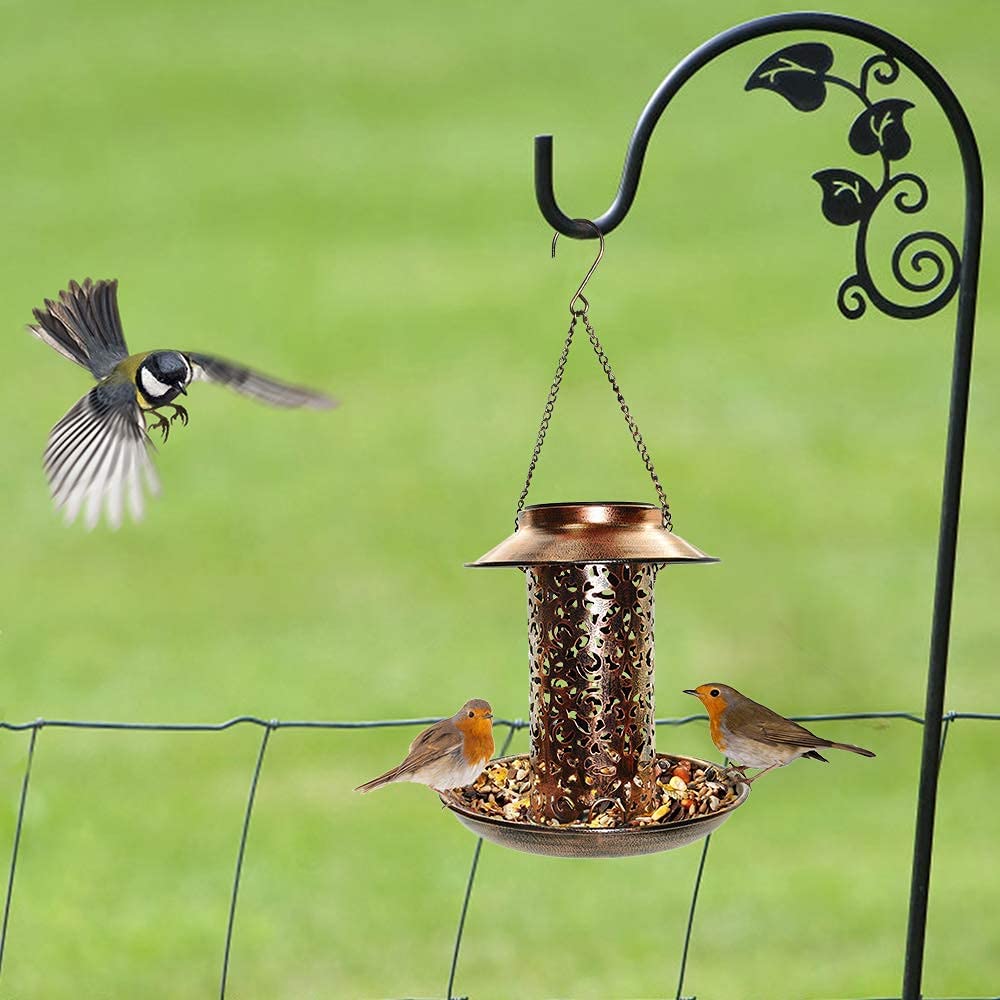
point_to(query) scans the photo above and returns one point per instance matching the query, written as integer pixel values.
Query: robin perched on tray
(751, 735)
(450, 754)
(98, 455)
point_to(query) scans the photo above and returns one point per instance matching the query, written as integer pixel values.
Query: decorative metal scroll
(590, 629)
(801, 74)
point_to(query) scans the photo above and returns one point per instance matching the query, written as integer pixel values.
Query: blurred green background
(341, 194)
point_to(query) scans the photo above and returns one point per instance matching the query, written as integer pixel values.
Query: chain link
(630, 420)
(581, 314)
(550, 404)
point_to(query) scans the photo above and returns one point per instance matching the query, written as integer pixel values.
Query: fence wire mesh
(268, 726)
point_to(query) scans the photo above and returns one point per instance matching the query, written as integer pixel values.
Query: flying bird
(98, 457)
(450, 754)
(751, 735)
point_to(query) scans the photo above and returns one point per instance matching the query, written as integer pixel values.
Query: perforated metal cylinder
(590, 631)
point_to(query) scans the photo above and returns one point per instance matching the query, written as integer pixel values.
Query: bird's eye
(714, 692)
(471, 715)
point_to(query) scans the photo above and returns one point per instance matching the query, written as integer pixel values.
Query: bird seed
(683, 791)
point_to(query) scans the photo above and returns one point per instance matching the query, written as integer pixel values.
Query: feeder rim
(591, 503)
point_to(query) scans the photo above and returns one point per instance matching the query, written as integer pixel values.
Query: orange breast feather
(717, 738)
(478, 740)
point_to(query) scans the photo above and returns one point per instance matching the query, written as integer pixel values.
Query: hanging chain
(630, 420)
(550, 404)
(578, 314)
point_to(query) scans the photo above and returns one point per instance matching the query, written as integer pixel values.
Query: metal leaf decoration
(880, 129)
(797, 72)
(922, 262)
(847, 196)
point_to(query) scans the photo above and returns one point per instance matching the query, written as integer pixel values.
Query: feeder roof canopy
(591, 532)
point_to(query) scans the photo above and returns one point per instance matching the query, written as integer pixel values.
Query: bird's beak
(489, 715)
(689, 691)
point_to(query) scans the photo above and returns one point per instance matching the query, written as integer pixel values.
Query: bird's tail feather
(59, 336)
(816, 755)
(84, 325)
(382, 779)
(853, 749)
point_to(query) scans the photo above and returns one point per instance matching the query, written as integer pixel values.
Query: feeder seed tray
(643, 835)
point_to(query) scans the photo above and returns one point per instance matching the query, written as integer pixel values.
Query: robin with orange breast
(450, 754)
(751, 735)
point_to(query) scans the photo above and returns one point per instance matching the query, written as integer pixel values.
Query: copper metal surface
(590, 570)
(589, 842)
(590, 632)
(605, 532)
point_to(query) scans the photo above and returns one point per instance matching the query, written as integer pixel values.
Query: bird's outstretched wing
(98, 457)
(262, 387)
(84, 326)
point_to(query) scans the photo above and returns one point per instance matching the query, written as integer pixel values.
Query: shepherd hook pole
(801, 74)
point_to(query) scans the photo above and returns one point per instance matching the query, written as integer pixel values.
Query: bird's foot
(737, 770)
(179, 414)
(160, 423)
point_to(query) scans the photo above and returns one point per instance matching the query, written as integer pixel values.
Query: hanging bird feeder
(595, 786)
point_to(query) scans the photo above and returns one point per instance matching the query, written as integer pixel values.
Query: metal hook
(579, 296)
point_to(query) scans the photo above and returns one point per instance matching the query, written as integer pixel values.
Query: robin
(450, 754)
(751, 735)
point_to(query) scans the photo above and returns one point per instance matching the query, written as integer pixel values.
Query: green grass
(341, 194)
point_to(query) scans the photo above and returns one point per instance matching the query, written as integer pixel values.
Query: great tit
(98, 457)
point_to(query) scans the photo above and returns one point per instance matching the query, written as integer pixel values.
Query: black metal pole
(961, 368)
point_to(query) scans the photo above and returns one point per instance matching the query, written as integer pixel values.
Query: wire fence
(268, 726)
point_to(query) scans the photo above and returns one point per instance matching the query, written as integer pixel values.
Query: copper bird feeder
(590, 570)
